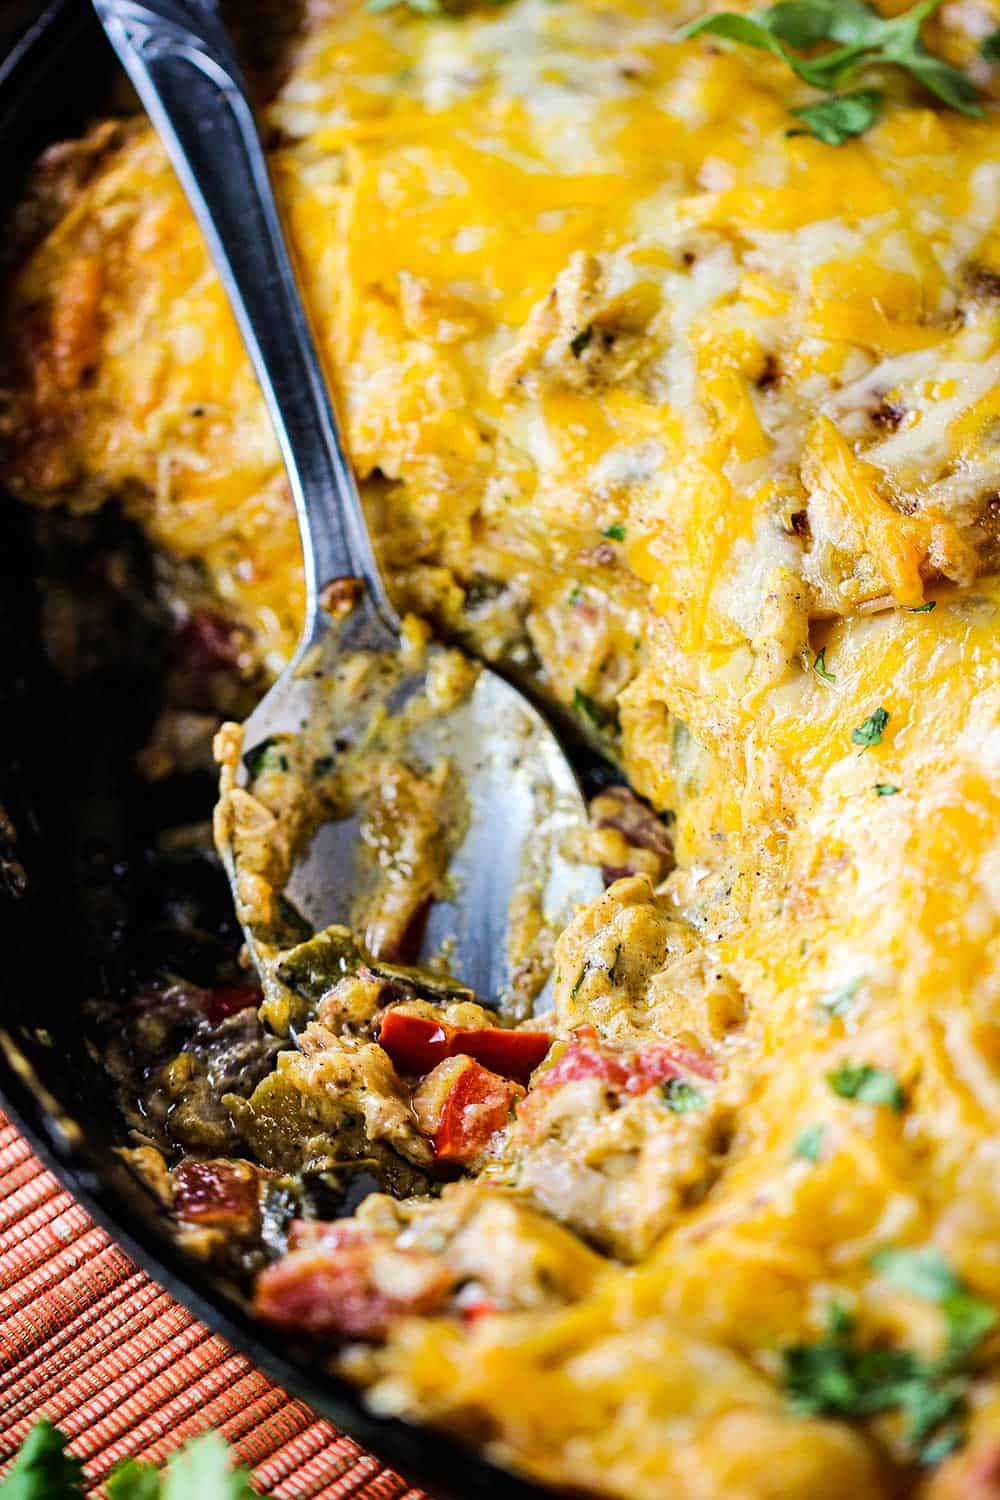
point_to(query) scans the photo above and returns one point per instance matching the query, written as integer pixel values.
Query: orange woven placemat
(89, 1341)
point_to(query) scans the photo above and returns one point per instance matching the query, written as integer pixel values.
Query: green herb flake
(267, 756)
(43, 1470)
(682, 1097)
(201, 1470)
(871, 731)
(925, 1273)
(580, 340)
(840, 117)
(989, 47)
(924, 609)
(866, 1084)
(419, 7)
(838, 1377)
(599, 716)
(886, 789)
(820, 667)
(809, 1143)
(615, 533)
(839, 1001)
(575, 594)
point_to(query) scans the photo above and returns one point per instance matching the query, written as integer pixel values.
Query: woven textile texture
(89, 1341)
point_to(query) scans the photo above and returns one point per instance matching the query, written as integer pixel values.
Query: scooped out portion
(686, 415)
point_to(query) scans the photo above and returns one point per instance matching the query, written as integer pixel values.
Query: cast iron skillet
(75, 890)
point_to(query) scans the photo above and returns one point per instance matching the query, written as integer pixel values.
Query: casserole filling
(689, 418)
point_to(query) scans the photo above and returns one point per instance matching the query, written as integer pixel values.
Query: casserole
(702, 435)
(56, 74)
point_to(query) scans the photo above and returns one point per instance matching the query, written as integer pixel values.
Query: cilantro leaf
(862, 39)
(422, 7)
(871, 731)
(839, 1001)
(809, 1143)
(599, 716)
(203, 1468)
(924, 1273)
(836, 119)
(267, 756)
(820, 667)
(969, 1320)
(836, 1376)
(886, 789)
(682, 1097)
(615, 532)
(989, 47)
(866, 1084)
(131, 1480)
(43, 1470)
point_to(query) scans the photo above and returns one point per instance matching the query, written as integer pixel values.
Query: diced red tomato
(473, 1311)
(217, 1004)
(461, 1105)
(333, 1288)
(623, 1072)
(417, 1044)
(218, 1194)
(332, 1234)
(586, 1060)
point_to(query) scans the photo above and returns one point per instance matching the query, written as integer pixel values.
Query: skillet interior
(78, 898)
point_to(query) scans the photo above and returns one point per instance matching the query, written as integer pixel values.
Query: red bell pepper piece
(331, 1285)
(417, 1044)
(622, 1072)
(461, 1105)
(218, 1195)
(226, 1001)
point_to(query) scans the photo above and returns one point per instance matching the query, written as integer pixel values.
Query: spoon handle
(179, 59)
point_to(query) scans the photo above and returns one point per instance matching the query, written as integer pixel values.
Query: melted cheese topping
(574, 278)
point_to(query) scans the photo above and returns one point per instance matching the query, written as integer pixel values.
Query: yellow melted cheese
(570, 276)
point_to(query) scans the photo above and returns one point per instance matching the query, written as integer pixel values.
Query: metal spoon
(522, 797)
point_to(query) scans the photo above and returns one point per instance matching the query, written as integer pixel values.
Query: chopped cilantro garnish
(43, 1470)
(925, 1273)
(575, 594)
(861, 38)
(615, 532)
(820, 667)
(267, 756)
(867, 1084)
(839, 1001)
(923, 609)
(682, 1097)
(599, 716)
(809, 1143)
(886, 789)
(836, 119)
(989, 47)
(201, 1470)
(838, 1377)
(870, 732)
